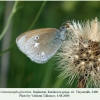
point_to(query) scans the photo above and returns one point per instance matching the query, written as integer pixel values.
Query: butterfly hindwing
(40, 44)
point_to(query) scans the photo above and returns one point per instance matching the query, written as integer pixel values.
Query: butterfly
(41, 44)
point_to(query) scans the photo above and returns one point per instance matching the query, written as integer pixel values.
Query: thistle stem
(9, 19)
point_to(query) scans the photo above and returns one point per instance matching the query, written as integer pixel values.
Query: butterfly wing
(40, 44)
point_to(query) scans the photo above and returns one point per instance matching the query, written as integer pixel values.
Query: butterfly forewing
(40, 44)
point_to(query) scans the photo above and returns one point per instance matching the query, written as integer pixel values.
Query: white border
(49, 93)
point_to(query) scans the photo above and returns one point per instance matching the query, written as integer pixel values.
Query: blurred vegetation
(22, 72)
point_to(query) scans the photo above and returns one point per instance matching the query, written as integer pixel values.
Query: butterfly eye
(36, 37)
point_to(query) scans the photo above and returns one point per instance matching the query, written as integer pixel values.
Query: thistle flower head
(80, 53)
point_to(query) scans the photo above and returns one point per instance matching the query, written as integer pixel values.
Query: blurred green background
(17, 70)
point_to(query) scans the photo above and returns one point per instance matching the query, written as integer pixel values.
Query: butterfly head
(64, 29)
